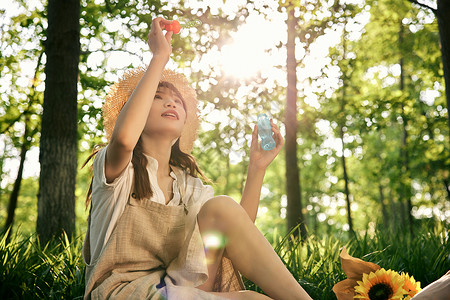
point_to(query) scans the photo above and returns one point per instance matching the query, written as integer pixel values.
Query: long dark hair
(178, 158)
(142, 187)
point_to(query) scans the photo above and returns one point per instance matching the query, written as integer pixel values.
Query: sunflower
(380, 285)
(411, 286)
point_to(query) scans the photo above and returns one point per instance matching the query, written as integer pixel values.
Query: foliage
(25, 217)
(22, 43)
(29, 270)
(316, 264)
(373, 118)
(56, 271)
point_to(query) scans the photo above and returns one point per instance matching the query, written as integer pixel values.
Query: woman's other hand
(260, 158)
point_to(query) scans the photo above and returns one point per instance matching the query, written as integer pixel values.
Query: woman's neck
(159, 150)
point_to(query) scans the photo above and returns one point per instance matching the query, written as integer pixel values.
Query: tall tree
(293, 190)
(341, 122)
(28, 136)
(21, 95)
(399, 71)
(13, 197)
(58, 144)
(306, 22)
(342, 107)
(405, 178)
(27, 139)
(442, 13)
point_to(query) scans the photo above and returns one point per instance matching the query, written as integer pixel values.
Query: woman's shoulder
(99, 171)
(195, 189)
(186, 178)
(99, 157)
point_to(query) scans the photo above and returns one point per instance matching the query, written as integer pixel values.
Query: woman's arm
(133, 116)
(259, 161)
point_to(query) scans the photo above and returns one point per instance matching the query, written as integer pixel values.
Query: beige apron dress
(155, 252)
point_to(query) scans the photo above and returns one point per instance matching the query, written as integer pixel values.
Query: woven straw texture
(124, 87)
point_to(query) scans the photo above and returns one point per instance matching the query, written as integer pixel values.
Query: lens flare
(214, 240)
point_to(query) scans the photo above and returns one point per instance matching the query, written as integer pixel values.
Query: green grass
(316, 263)
(29, 270)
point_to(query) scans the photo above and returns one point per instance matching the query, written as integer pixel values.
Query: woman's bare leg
(249, 250)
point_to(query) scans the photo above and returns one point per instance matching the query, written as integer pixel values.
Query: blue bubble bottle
(265, 132)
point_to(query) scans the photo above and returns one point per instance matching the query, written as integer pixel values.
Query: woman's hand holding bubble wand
(158, 42)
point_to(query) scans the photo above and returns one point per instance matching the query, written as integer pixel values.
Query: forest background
(367, 134)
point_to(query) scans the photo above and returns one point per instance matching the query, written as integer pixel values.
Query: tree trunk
(244, 170)
(2, 162)
(16, 189)
(341, 120)
(294, 205)
(227, 184)
(346, 188)
(394, 220)
(407, 194)
(384, 210)
(405, 176)
(443, 18)
(26, 141)
(58, 144)
(446, 204)
(447, 189)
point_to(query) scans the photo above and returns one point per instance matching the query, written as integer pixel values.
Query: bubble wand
(176, 25)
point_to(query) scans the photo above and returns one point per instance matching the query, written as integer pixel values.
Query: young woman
(152, 219)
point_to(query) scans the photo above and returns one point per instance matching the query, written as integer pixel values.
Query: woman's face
(167, 114)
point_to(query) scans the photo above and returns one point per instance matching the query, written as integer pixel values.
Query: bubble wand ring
(176, 25)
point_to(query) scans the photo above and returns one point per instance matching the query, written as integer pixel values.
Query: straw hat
(122, 90)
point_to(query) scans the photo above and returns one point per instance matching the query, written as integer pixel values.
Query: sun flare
(248, 54)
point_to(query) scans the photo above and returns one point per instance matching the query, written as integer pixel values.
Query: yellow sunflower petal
(361, 289)
(387, 282)
(410, 285)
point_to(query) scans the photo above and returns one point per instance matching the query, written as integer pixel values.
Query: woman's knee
(219, 209)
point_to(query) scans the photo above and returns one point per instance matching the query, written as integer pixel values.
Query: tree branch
(28, 109)
(13, 121)
(113, 50)
(435, 11)
(108, 7)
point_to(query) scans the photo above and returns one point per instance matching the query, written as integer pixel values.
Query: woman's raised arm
(133, 116)
(259, 161)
